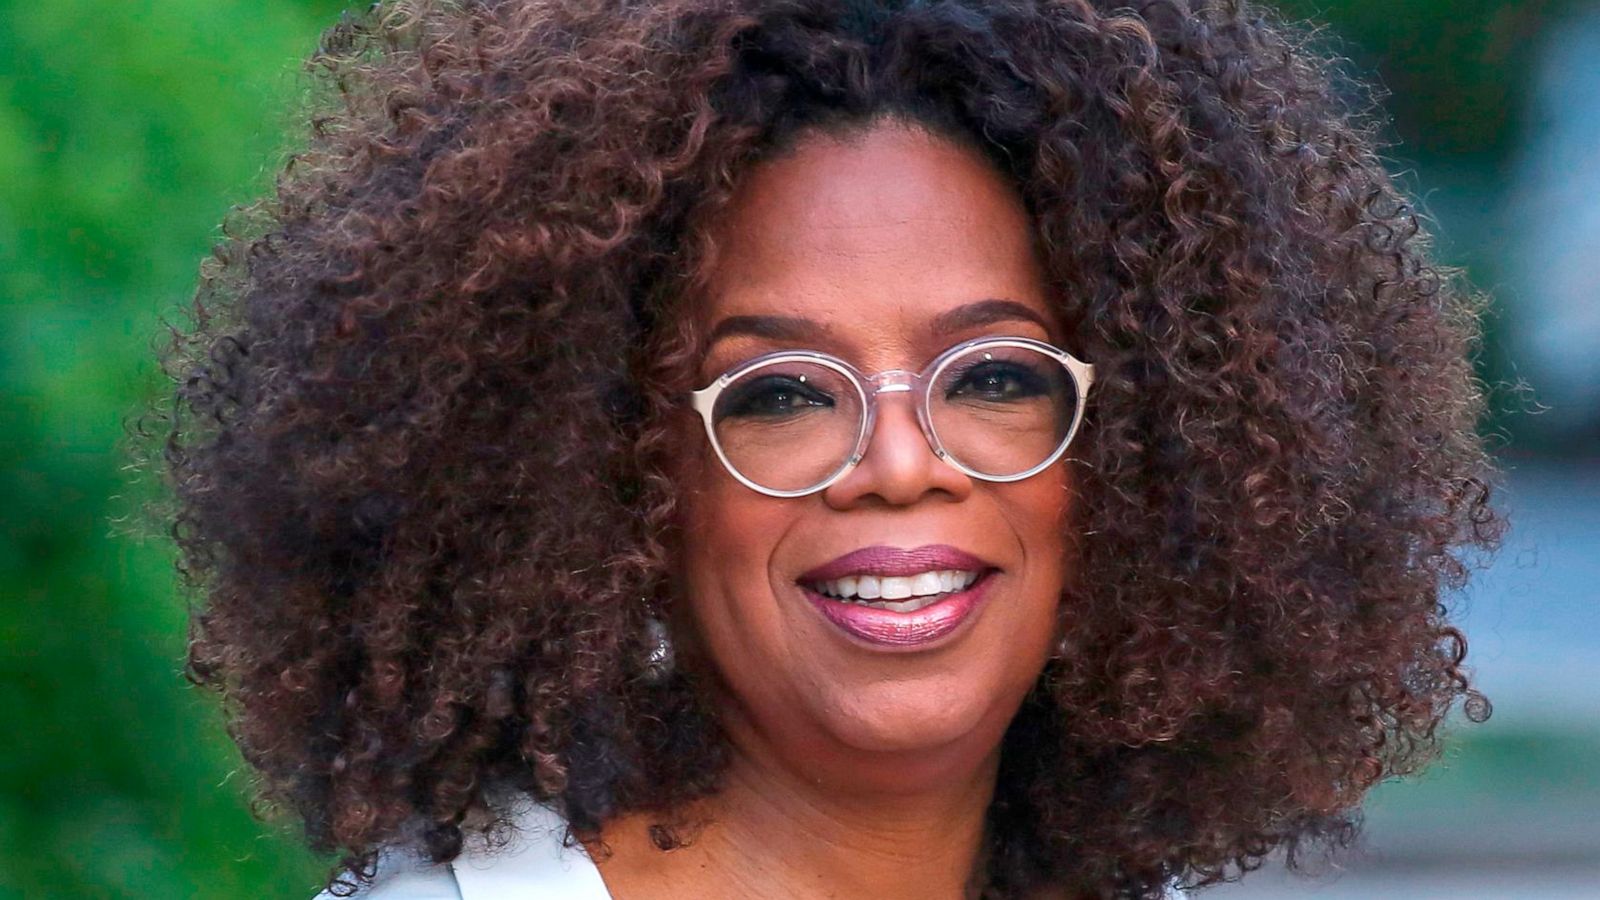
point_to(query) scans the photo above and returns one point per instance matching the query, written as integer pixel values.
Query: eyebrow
(796, 328)
(778, 328)
(986, 312)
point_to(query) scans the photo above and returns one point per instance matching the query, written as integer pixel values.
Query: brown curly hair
(423, 427)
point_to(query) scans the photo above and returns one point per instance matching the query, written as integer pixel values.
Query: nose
(899, 466)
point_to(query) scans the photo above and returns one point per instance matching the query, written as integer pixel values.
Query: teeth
(925, 587)
(903, 606)
(896, 588)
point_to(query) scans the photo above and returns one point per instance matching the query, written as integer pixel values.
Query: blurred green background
(128, 129)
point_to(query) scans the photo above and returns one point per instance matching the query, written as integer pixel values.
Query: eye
(998, 382)
(775, 396)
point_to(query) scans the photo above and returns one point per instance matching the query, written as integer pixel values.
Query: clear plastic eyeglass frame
(893, 381)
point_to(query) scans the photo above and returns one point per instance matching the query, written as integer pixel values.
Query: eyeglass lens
(999, 411)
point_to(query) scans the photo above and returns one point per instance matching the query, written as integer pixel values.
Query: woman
(818, 448)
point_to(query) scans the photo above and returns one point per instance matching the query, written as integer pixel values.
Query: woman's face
(869, 248)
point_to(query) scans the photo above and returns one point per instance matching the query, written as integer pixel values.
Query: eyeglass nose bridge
(892, 381)
(895, 381)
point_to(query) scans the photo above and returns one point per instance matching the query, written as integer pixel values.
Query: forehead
(873, 236)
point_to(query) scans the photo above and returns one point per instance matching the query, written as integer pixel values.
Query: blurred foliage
(1454, 78)
(127, 129)
(1454, 69)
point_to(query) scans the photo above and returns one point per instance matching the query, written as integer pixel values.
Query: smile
(901, 593)
(899, 599)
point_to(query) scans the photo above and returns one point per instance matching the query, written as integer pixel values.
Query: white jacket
(534, 866)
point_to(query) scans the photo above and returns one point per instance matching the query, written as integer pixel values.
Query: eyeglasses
(793, 422)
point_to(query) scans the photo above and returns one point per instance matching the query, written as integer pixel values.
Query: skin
(858, 772)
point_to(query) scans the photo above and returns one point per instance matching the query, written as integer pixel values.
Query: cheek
(1040, 510)
(729, 533)
(728, 536)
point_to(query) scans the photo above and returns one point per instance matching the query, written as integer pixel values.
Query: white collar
(533, 864)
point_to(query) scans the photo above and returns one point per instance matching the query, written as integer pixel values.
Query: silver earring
(1060, 647)
(658, 664)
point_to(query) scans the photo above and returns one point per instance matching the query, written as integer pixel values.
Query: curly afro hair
(421, 443)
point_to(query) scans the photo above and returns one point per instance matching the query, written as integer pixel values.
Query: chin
(929, 721)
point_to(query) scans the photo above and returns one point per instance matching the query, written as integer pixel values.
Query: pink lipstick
(899, 599)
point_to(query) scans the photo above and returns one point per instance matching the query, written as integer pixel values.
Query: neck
(775, 831)
(798, 838)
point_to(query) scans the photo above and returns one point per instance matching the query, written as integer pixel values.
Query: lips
(891, 561)
(899, 626)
